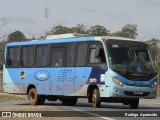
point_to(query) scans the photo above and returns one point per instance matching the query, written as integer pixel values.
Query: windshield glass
(129, 58)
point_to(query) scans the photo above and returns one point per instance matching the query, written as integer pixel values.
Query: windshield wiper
(131, 60)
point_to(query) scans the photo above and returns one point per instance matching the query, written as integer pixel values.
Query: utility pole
(46, 20)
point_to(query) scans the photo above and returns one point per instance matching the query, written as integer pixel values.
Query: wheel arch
(90, 88)
(29, 87)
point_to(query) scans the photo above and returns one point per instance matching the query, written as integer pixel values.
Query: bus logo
(42, 75)
(22, 75)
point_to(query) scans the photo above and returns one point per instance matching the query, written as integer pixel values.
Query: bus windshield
(130, 58)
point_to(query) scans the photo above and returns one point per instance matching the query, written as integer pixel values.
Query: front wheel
(134, 104)
(96, 100)
(34, 98)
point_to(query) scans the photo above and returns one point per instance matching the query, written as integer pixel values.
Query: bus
(101, 69)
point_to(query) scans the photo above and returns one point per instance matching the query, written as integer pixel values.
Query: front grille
(138, 78)
(132, 93)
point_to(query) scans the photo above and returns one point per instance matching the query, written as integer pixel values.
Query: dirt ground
(4, 97)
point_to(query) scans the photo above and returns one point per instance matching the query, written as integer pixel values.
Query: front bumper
(132, 92)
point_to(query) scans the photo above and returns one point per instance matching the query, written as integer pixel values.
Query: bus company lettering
(65, 75)
(92, 80)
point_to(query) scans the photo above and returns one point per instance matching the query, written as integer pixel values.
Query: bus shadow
(89, 106)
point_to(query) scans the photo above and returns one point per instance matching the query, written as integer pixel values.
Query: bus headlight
(118, 81)
(154, 84)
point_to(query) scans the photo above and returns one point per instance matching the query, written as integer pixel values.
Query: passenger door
(80, 73)
(69, 83)
(58, 73)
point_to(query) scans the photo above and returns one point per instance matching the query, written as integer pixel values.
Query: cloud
(151, 3)
(20, 20)
(61, 22)
(147, 33)
(25, 24)
(89, 10)
(118, 17)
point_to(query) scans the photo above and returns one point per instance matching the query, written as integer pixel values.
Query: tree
(3, 22)
(60, 30)
(1, 58)
(16, 36)
(128, 30)
(80, 28)
(2, 44)
(153, 45)
(98, 30)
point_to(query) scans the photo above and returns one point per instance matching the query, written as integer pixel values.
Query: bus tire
(69, 101)
(134, 104)
(96, 100)
(35, 99)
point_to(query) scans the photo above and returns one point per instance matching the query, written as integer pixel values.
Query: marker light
(154, 84)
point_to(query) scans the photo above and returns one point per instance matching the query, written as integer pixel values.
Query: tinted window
(27, 56)
(42, 56)
(71, 54)
(58, 57)
(14, 56)
(81, 54)
(92, 56)
(102, 55)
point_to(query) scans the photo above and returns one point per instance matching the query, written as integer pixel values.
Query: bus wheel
(96, 100)
(69, 101)
(134, 104)
(35, 99)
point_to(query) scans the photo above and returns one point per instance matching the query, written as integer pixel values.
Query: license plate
(138, 93)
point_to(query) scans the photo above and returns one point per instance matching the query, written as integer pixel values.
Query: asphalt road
(84, 111)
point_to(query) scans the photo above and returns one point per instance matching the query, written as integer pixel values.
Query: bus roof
(64, 40)
(119, 38)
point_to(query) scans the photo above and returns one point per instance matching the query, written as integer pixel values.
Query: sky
(28, 15)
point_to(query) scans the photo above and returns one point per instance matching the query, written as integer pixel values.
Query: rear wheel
(134, 104)
(69, 101)
(96, 100)
(35, 99)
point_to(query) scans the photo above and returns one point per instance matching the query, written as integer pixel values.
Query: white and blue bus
(102, 69)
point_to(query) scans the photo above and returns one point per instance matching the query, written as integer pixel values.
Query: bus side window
(81, 54)
(96, 58)
(71, 54)
(13, 59)
(58, 57)
(27, 56)
(42, 56)
(92, 56)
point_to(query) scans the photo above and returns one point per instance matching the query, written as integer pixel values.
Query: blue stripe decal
(95, 76)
